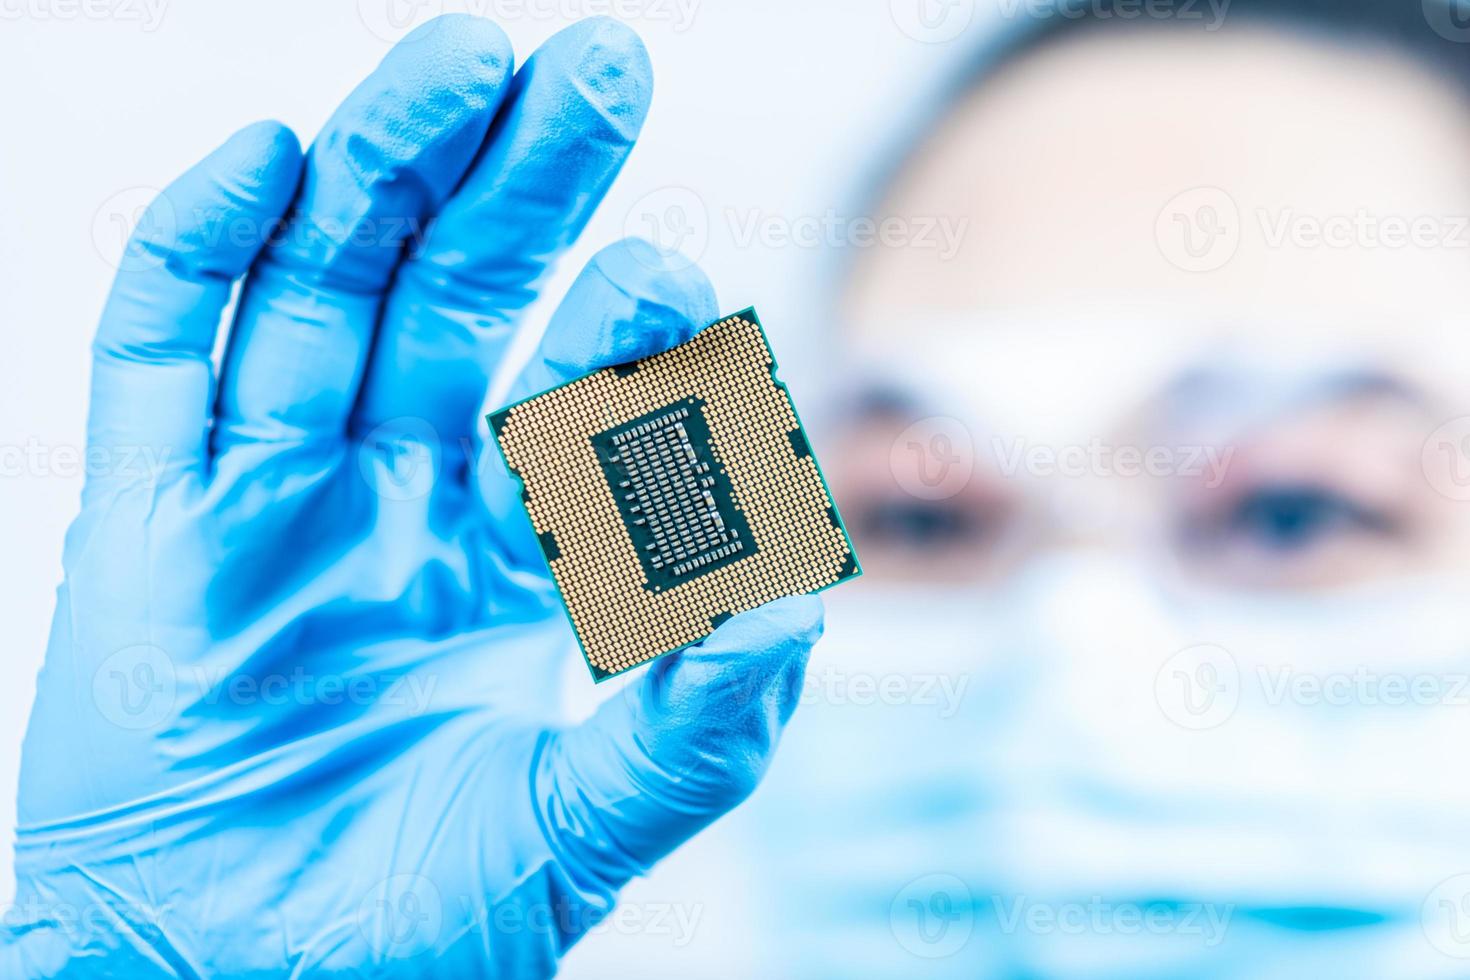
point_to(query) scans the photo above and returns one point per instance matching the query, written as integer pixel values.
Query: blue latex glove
(297, 711)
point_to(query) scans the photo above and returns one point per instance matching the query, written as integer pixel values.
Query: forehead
(1065, 380)
(1264, 188)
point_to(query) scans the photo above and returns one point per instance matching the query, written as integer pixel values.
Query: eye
(1296, 518)
(972, 533)
(1321, 497)
(1294, 534)
(970, 537)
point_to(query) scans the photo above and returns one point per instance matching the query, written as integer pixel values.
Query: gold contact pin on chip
(672, 493)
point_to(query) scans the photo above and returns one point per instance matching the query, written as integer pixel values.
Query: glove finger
(386, 160)
(151, 375)
(629, 302)
(688, 743)
(574, 112)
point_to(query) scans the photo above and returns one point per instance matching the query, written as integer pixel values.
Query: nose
(1093, 513)
(1082, 598)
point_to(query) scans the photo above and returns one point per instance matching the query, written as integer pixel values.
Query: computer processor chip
(671, 493)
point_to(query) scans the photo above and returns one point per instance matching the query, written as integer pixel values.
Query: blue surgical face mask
(1092, 767)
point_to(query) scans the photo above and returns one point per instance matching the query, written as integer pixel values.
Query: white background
(769, 106)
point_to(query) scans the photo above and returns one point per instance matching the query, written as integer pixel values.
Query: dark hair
(1435, 31)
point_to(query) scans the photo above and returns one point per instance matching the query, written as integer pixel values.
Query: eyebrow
(1213, 390)
(1204, 392)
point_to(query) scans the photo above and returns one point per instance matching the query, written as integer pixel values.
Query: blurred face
(1205, 313)
(1162, 470)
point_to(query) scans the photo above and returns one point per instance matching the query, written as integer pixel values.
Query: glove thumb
(657, 764)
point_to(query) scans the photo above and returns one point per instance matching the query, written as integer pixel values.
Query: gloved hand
(297, 714)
